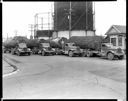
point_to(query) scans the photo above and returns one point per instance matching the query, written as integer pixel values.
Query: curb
(15, 68)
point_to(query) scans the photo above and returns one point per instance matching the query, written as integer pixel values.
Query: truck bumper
(117, 54)
(25, 52)
(49, 52)
(77, 52)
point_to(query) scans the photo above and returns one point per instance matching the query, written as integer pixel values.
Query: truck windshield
(108, 45)
(22, 45)
(72, 44)
(45, 44)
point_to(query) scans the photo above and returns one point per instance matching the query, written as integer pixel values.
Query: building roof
(116, 29)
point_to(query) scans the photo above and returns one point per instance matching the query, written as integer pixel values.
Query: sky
(17, 16)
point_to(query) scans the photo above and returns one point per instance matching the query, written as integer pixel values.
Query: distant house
(117, 36)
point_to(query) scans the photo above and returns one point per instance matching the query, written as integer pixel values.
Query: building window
(113, 41)
(119, 41)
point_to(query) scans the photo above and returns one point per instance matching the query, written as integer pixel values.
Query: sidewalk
(8, 68)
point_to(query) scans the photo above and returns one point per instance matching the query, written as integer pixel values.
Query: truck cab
(45, 49)
(110, 52)
(71, 49)
(21, 48)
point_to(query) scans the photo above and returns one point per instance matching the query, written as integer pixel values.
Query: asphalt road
(64, 77)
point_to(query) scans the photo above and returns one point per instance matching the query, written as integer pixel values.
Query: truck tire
(121, 57)
(70, 53)
(12, 53)
(18, 54)
(84, 54)
(43, 53)
(110, 56)
(29, 54)
(89, 54)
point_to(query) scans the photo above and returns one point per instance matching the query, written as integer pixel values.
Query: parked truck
(21, 49)
(71, 49)
(107, 51)
(45, 49)
(93, 45)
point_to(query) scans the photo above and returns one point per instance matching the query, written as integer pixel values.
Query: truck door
(66, 49)
(103, 49)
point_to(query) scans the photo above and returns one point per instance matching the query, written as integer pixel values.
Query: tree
(20, 39)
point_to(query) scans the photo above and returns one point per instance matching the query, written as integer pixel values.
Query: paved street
(65, 77)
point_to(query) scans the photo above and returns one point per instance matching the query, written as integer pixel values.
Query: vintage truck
(106, 50)
(21, 49)
(71, 49)
(45, 49)
(96, 46)
(5, 50)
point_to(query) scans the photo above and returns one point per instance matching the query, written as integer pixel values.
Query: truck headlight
(20, 49)
(53, 49)
(44, 49)
(29, 49)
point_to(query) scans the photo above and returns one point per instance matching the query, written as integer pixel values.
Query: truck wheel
(18, 54)
(43, 53)
(53, 53)
(110, 56)
(70, 53)
(121, 57)
(12, 53)
(89, 54)
(29, 54)
(84, 54)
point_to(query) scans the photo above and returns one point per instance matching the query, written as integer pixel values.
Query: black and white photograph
(64, 50)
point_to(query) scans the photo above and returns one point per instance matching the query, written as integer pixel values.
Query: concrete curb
(15, 70)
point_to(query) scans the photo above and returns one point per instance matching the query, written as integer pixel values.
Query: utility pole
(31, 26)
(70, 19)
(7, 36)
(48, 28)
(42, 22)
(15, 32)
(36, 24)
(94, 17)
(86, 8)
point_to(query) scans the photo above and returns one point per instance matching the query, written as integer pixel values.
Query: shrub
(10, 44)
(21, 39)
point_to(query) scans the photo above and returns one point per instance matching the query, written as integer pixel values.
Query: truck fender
(110, 52)
(89, 53)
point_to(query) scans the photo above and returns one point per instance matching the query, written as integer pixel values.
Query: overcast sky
(18, 15)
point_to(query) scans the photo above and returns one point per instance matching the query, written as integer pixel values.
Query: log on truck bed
(87, 42)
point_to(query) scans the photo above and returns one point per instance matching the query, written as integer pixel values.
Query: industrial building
(72, 19)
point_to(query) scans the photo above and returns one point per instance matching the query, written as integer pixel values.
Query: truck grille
(49, 48)
(25, 49)
(119, 50)
(78, 49)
